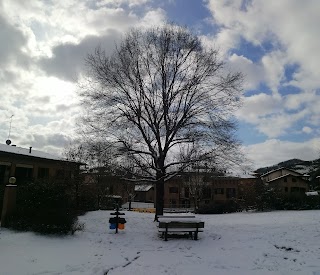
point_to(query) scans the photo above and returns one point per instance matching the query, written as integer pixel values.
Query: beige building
(285, 180)
(219, 189)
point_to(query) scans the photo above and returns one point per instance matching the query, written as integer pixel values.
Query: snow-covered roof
(29, 152)
(283, 176)
(281, 168)
(113, 196)
(142, 188)
(312, 193)
(243, 175)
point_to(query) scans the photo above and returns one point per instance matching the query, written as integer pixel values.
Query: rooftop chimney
(30, 149)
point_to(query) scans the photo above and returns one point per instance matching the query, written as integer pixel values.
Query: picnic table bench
(180, 224)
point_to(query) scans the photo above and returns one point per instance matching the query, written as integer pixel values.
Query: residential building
(204, 189)
(286, 181)
(28, 165)
(144, 193)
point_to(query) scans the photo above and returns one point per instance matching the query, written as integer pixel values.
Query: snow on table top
(187, 220)
(283, 242)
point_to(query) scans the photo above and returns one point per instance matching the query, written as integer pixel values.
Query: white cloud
(253, 73)
(278, 124)
(306, 130)
(287, 30)
(48, 40)
(118, 3)
(273, 151)
(291, 25)
(258, 106)
(47, 44)
(269, 112)
(153, 18)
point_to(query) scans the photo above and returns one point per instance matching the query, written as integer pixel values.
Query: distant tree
(128, 187)
(100, 168)
(195, 183)
(197, 180)
(164, 97)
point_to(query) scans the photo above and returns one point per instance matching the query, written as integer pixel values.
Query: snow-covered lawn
(286, 242)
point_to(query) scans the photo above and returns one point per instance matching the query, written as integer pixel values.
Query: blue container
(113, 225)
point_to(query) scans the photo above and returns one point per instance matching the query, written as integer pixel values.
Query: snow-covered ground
(286, 242)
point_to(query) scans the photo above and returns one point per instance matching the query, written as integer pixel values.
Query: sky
(274, 43)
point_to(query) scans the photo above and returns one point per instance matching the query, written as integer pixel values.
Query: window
(23, 174)
(298, 190)
(60, 174)
(186, 192)
(294, 180)
(295, 189)
(231, 193)
(43, 173)
(207, 192)
(110, 188)
(302, 190)
(285, 179)
(173, 190)
(286, 189)
(218, 191)
(4, 174)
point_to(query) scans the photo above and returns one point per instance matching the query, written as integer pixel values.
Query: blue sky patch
(195, 15)
(262, 88)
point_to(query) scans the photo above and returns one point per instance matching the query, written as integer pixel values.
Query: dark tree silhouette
(166, 99)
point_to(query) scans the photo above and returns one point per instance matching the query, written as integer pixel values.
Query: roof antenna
(8, 141)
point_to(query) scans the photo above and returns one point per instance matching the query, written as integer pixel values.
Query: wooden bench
(172, 226)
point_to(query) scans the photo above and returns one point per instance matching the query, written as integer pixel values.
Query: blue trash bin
(113, 225)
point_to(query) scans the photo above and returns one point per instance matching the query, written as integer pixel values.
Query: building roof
(281, 168)
(312, 193)
(283, 176)
(142, 188)
(242, 175)
(34, 153)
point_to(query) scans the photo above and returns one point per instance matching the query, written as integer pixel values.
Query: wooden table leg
(166, 233)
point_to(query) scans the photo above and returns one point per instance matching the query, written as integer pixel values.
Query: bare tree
(196, 185)
(128, 188)
(163, 96)
(198, 180)
(100, 170)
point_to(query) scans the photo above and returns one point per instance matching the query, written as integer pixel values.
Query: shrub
(218, 208)
(44, 207)
(1, 197)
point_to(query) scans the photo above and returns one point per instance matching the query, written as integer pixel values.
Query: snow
(136, 204)
(142, 188)
(312, 193)
(26, 152)
(285, 242)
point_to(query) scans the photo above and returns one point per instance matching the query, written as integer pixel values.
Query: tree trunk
(130, 204)
(195, 204)
(159, 198)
